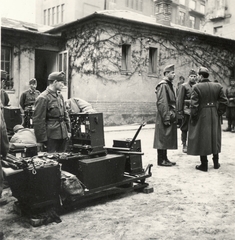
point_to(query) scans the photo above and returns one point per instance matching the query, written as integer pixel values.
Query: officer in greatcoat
(208, 103)
(51, 121)
(183, 106)
(166, 121)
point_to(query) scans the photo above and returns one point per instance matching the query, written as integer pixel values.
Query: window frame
(10, 67)
(126, 57)
(63, 63)
(153, 58)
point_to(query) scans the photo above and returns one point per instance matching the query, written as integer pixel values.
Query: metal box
(101, 171)
(87, 129)
(133, 164)
(12, 116)
(136, 147)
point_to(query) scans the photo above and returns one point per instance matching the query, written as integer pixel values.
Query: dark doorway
(45, 63)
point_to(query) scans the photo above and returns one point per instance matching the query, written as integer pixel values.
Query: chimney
(163, 11)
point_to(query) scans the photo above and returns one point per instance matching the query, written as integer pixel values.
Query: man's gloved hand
(42, 146)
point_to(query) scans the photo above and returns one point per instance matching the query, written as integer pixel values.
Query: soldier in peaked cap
(166, 122)
(183, 106)
(50, 118)
(208, 103)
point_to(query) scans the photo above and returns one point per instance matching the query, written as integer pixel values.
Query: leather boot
(216, 161)
(160, 160)
(228, 129)
(204, 164)
(184, 150)
(166, 158)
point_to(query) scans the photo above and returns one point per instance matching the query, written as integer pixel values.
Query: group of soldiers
(200, 103)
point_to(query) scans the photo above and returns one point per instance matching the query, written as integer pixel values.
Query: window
(62, 13)
(58, 14)
(202, 8)
(191, 21)
(136, 4)
(53, 16)
(45, 17)
(141, 6)
(153, 60)
(49, 16)
(182, 2)
(63, 63)
(126, 57)
(181, 18)
(192, 4)
(6, 65)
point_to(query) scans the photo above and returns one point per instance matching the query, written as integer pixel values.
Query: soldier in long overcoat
(166, 121)
(51, 121)
(208, 103)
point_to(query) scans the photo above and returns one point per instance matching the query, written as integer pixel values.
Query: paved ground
(186, 204)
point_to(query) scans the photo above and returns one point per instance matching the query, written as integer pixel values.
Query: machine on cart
(99, 170)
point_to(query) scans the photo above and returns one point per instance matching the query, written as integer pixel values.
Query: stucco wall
(95, 62)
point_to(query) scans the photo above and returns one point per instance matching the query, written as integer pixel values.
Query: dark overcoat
(208, 103)
(165, 136)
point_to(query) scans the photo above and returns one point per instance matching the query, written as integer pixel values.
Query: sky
(23, 10)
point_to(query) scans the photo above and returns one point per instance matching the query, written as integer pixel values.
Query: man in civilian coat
(51, 121)
(166, 122)
(208, 103)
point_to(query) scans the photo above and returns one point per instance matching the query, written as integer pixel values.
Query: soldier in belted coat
(27, 98)
(208, 103)
(166, 121)
(50, 119)
(230, 111)
(183, 106)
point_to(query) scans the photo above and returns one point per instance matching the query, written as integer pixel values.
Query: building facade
(220, 18)
(188, 13)
(113, 59)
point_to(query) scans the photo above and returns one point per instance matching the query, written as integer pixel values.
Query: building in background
(188, 13)
(220, 18)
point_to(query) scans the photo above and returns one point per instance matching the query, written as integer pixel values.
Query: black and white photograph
(117, 120)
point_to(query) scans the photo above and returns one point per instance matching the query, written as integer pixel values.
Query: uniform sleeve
(4, 147)
(67, 121)
(39, 119)
(22, 100)
(194, 104)
(180, 99)
(162, 103)
(223, 102)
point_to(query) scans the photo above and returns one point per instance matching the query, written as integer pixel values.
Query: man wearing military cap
(27, 100)
(208, 103)
(165, 136)
(50, 119)
(183, 106)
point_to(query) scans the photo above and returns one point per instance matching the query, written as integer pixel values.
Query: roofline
(45, 34)
(100, 15)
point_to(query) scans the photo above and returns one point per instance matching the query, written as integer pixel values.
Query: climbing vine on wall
(96, 49)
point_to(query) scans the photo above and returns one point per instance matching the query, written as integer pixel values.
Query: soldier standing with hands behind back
(50, 119)
(208, 103)
(166, 121)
